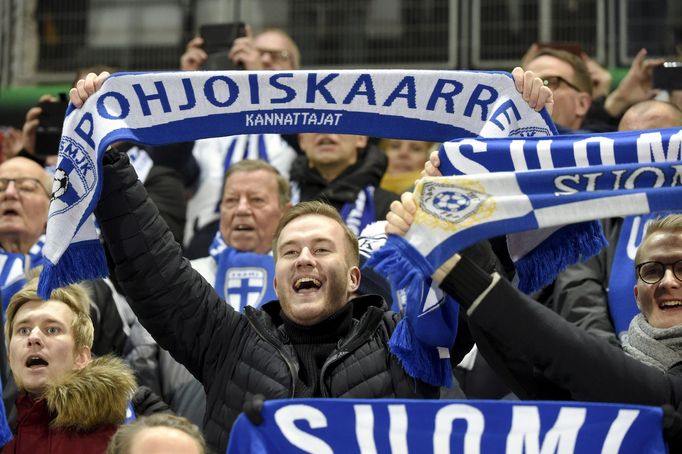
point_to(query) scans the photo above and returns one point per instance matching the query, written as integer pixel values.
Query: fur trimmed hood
(93, 396)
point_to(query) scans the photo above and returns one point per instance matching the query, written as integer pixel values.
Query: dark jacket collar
(367, 171)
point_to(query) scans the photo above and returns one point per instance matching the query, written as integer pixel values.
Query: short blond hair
(75, 296)
(667, 224)
(123, 439)
(321, 209)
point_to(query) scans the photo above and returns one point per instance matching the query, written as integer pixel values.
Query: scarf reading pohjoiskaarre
(160, 108)
(456, 212)
(487, 427)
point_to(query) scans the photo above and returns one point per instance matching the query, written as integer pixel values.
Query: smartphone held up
(218, 39)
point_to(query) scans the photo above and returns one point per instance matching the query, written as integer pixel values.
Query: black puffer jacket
(234, 356)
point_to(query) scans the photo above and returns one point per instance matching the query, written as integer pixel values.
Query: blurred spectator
(569, 79)
(160, 433)
(636, 86)
(271, 49)
(10, 140)
(651, 115)
(68, 402)
(406, 160)
(345, 171)
(24, 202)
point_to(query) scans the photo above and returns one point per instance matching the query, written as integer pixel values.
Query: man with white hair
(24, 202)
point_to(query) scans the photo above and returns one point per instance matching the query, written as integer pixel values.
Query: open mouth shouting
(36, 362)
(305, 285)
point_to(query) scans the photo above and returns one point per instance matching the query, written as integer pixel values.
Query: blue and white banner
(456, 212)
(469, 156)
(534, 265)
(159, 108)
(349, 426)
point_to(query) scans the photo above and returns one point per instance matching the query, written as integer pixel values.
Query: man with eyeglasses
(570, 81)
(272, 50)
(596, 294)
(655, 335)
(24, 203)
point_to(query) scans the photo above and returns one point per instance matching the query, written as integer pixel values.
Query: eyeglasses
(553, 83)
(275, 55)
(652, 272)
(24, 185)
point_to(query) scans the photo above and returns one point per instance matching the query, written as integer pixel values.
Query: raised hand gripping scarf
(456, 212)
(159, 108)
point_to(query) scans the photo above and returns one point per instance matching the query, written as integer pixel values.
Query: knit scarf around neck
(660, 348)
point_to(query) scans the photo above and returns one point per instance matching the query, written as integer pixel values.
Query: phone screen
(668, 76)
(218, 39)
(49, 130)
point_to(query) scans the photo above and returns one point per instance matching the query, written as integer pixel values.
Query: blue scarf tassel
(81, 261)
(407, 270)
(568, 245)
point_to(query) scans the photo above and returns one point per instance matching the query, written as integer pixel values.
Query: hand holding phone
(668, 76)
(49, 129)
(218, 39)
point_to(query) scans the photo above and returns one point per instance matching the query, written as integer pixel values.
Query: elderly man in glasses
(270, 50)
(570, 81)
(24, 202)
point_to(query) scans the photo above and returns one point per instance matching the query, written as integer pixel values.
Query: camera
(668, 76)
(49, 130)
(218, 39)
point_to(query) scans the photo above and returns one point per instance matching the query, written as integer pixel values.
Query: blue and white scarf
(14, 268)
(365, 426)
(242, 278)
(540, 255)
(357, 215)
(159, 108)
(456, 212)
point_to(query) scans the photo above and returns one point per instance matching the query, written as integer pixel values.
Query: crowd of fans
(202, 336)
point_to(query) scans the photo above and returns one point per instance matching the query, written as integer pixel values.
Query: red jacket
(34, 434)
(79, 414)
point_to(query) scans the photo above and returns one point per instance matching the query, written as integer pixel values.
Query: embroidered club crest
(530, 131)
(450, 203)
(74, 179)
